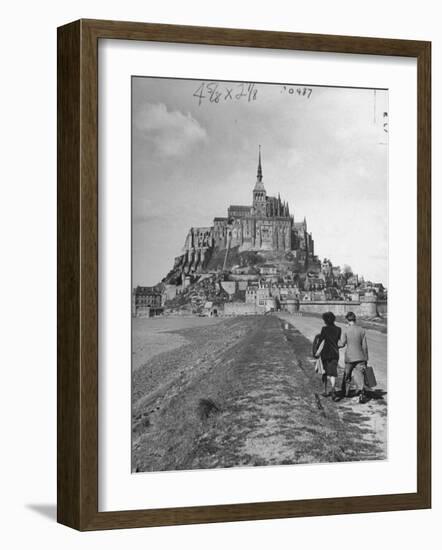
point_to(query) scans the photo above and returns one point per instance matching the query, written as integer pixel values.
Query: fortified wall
(369, 308)
(241, 308)
(339, 308)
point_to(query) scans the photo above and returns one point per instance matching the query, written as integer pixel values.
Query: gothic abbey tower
(265, 225)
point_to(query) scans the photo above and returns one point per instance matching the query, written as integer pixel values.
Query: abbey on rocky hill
(265, 225)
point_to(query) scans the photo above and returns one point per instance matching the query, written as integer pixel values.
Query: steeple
(259, 174)
(259, 185)
(259, 192)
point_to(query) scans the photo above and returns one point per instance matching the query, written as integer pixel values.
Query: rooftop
(146, 290)
(239, 207)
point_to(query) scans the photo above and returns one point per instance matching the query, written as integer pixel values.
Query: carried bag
(319, 367)
(317, 347)
(369, 377)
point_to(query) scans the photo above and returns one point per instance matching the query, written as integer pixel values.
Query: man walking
(356, 356)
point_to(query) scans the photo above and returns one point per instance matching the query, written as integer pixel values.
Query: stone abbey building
(266, 225)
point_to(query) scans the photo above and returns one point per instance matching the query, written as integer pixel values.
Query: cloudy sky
(195, 149)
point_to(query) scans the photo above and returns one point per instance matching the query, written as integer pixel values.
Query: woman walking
(330, 335)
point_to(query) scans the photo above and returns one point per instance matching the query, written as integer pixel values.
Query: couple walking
(354, 339)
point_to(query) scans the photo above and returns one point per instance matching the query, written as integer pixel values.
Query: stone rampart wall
(241, 308)
(362, 309)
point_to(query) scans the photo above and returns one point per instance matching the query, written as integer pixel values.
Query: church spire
(259, 185)
(259, 174)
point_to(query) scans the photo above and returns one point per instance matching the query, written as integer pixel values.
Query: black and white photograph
(259, 274)
(221, 215)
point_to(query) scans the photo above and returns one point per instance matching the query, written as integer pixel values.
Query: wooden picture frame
(77, 225)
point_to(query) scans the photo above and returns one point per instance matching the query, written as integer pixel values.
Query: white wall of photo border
(28, 228)
(118, 487)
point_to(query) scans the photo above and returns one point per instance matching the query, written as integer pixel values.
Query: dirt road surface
(243, 392)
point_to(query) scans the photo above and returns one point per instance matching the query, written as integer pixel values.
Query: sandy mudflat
(156, 335)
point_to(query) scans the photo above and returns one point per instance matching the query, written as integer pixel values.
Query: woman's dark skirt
(330, 367)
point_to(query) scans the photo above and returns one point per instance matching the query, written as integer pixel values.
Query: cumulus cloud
(171, 133)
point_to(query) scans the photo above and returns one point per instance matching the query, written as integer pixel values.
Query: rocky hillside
(245, 261)
(204, 284)
(201, 290)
